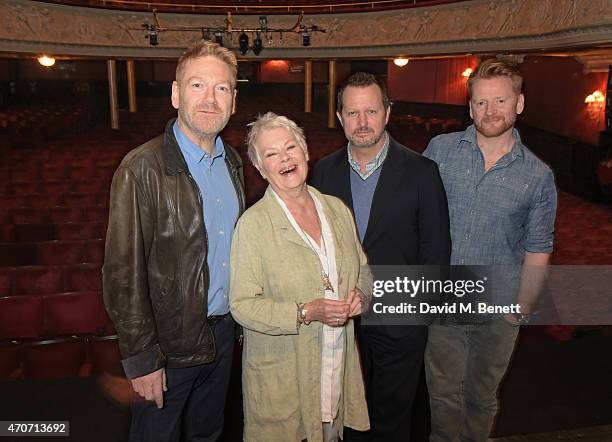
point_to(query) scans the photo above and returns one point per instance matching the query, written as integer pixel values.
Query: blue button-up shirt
(220, 206)
(498, 215)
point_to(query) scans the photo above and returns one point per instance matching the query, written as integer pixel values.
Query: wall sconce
(47, 61)
(401, 61)
(595, 104)
(466, 74)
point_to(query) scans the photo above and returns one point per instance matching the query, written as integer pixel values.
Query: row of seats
(61, 358)
(35, 317)
(28, 233)
(51, 253)
(59, 172)
(53, 215)
(71, 199)
(40, 280)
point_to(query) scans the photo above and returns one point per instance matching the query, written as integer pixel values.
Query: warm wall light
(401, 61)
(595, 103)
(46, 60)
(466, 74)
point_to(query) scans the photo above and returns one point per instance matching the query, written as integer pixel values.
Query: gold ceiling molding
(468, 27)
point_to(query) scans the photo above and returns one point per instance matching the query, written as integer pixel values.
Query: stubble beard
(490, 131)
(366, 142)
(204, 127)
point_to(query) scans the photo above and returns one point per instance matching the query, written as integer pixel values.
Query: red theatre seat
(10, 361)
(76, 231)
(83, 277)
(50, 359)
(105, 357)
(7, 281)
(26, 233)
(94, 250)
(60, 252)
(37, 280)
(69, 314)
(66, 215)
(21, 317)
(79, 199)
(30, 216)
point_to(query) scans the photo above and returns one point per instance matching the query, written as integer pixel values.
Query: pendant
(327, 285)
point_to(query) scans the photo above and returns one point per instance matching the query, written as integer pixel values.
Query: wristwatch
(521, 318)
(301, 314)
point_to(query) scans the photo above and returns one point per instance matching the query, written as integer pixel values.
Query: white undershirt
(333, 337)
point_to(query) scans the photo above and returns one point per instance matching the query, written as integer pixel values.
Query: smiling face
(204, 96)
(494, 105)
(364, 116)
(281, 160)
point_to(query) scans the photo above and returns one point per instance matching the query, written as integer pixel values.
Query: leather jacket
(155, 273)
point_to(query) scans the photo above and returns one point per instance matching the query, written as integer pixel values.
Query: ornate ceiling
(254, 6)
(453, 28)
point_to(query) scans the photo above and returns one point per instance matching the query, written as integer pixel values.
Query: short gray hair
(272, 121)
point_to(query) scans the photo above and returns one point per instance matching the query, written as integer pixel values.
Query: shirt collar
(469, 136)
(373, 164)
(188, 147)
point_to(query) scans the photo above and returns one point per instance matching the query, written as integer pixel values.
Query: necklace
(327, 285)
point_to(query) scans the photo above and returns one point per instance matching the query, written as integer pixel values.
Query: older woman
(298, 276)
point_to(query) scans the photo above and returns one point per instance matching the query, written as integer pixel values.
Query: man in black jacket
(401, 213)
(173, 206)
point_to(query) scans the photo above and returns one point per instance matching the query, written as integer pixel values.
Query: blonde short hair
(205, 48)
(272, 121)
(494, 68)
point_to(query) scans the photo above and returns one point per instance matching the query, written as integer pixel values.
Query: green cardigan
(272, 270)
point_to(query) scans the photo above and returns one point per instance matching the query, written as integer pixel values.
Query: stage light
(47, 61)
(243, 42)
(257, 45)
(466, 74)
(152, 36)
(305, 39)
(219, 38)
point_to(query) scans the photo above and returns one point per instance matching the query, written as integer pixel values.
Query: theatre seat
(7, 233)
(60, 252)
(7, 281)
(76, 231)
(83, 277)
(66, 215)
(38, 280)
(29, 216)
(94, 251)
(53, 359)
(10, 361)
(67, 314)
(28, 233)
(104, 356)
(79, 199)
(21, 317)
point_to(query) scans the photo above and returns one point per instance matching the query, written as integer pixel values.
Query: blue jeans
(464, 365)
(195, 401)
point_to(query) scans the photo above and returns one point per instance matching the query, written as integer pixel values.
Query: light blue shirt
(496, 215)
(220, 207)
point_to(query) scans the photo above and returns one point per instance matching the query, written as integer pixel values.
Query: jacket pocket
(271, 393)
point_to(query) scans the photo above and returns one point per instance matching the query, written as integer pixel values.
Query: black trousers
(195, 401)
(392, 360)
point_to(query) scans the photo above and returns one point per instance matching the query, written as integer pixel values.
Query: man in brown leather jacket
(173, 206)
